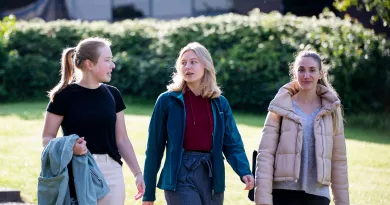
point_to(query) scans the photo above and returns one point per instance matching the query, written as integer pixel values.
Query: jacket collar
(283, 106)
(177, 94)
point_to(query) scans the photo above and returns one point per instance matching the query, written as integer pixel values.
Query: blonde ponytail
(67, 72)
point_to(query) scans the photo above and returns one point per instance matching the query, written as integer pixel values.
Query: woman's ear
(321, 74)
(88, 64)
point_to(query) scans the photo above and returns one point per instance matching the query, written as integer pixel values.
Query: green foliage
(251, 56)
(380, 8)
(6, 25)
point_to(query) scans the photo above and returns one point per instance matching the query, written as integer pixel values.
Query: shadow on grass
(369, 127)
(35, 110)
(137, 106)
(367, 135)
(24, 110)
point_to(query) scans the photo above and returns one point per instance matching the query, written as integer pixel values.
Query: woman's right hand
(139, 181)
(147, 202)
(80, 147)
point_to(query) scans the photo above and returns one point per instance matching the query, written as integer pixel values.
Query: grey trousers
(194, 185)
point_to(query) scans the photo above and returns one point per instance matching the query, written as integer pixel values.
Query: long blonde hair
(337, 115)
(209, 87)
(87, 49)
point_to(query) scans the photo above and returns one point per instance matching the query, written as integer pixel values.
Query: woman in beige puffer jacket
(280, 160)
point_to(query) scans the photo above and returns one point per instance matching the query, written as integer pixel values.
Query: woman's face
(193, 69)
(104, 66)
(307, 72)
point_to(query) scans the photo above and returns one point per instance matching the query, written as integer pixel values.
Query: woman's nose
(187, 66)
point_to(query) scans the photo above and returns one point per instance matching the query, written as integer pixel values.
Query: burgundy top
(199, 123)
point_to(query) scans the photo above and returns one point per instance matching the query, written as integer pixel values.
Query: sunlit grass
(20, 145)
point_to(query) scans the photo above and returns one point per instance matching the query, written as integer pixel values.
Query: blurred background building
(115, 10)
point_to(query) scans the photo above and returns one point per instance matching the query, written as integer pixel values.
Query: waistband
(196, 153)
(102, 158)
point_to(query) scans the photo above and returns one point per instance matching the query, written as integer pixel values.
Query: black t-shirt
(90, 113)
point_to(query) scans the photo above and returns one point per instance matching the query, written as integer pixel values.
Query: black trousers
(292, 197)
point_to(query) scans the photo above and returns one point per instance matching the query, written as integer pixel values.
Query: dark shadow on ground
(35, 110)
(24, 110)
(367, 135)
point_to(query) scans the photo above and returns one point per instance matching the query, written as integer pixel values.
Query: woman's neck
(195, 88)
(307, 97)
(88, 83)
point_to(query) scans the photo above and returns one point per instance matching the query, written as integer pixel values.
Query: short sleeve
(120, 104)
(58, 105)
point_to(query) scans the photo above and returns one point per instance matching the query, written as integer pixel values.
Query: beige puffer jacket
(279, 155)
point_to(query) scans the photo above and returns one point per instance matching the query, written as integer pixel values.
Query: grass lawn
(20, 145)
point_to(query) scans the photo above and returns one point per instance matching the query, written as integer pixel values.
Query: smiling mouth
(189, 74)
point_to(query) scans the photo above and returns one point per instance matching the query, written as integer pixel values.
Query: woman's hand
(80, 147)
(249, 182)
(139, 182)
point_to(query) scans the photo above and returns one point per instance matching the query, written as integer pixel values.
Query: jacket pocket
(50, 189)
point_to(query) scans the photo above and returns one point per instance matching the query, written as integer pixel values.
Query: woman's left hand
(249, 182)
(139, 182)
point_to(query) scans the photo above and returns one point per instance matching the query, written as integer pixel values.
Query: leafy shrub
(251, 55)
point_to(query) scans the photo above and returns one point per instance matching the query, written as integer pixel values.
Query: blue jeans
(195, 183)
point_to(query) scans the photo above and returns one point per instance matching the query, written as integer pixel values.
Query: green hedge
(251, 54)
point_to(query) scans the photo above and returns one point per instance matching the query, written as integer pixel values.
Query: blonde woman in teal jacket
(194, 123)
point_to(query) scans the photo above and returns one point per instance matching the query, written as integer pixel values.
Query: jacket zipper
(323, 147)
(211, 151)
(94, 173)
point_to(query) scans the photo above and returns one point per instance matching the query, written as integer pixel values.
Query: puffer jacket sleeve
(266, 158)
(339, 180)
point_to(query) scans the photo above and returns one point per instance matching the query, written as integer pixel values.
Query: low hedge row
(251, 54)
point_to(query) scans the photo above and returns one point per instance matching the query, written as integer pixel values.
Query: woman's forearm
(127, 152)
(46, 140)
